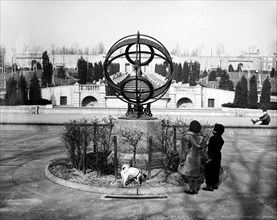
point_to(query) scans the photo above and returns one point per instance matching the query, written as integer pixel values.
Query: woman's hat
(219, 128)
(195, 126)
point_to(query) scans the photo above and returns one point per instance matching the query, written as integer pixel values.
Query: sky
(236, 25)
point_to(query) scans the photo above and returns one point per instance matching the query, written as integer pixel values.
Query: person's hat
(219, 128)
(195, 126)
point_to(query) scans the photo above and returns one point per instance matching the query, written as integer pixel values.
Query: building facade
(178, 96)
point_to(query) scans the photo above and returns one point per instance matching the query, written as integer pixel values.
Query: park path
(249, 192)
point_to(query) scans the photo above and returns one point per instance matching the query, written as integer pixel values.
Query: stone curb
(115, 191)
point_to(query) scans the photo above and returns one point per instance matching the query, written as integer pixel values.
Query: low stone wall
(209, 112)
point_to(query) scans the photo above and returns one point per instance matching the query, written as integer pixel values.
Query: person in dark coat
(212, 168)
(265, 118)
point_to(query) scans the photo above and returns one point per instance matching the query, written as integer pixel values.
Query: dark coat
(265, 119)
(214, 148)
(213, 167)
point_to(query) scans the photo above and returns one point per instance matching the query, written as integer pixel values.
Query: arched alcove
(89, 101)
(184, 103)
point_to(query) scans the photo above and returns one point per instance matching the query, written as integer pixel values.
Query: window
(63, 100)
(211, 103)
(128, 68)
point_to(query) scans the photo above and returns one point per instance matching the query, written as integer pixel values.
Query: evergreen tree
(39, 67)
(89, 73)
(273, 73)
(100, 70)
(212, 76)
(11, 97)
(231, 86)
(179, 72)
(164, 69)
(95, 72)
(185, 73)
(265, 93)
(194, 74)
(244, 92)
(82, 70)
(237, 98)
(224, 81)
(175, 71)
(22, 91)
(239, 69)
(34, 91)
(117, 67)
(253, 93)
(197, 70)
(47, 74)
(230, 68)
(112, 69)
(220, 72)
(156, 70)
(204, 74)
(61, 73)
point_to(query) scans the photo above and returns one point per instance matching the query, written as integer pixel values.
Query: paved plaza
(249, 192)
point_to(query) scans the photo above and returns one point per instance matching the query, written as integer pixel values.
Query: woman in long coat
(190, 157)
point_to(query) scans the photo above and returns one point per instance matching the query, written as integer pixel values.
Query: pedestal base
(127, 132)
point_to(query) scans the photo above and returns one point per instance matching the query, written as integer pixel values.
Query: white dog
(128, 173)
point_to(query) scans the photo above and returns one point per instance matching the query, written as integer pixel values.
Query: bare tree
(86, 50)
(52, 49)
(199, 48)
(251, 49)
(36, 49)
(80, 51)
(101, 48)
(186, 52)
(194, 52)
(176, 50)
(26, 48)
(75, 47)
(219, 49)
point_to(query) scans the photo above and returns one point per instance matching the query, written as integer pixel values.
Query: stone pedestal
(149, 128)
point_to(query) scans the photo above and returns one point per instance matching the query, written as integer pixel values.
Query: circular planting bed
(161, 181)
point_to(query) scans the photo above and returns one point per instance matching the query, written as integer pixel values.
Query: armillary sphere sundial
(138, 87)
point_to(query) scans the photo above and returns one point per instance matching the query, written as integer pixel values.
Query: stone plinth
(149, 128)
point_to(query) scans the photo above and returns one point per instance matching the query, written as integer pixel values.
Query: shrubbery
(95, 138)
(92, 137)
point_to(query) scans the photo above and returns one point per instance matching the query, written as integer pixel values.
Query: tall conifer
(11, 97)
(265, 93)
(22, 91)
(34, 91)
(47, 74)
(253, 93)
(244, 92)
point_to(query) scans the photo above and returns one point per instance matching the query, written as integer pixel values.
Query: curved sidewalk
(249, 192)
